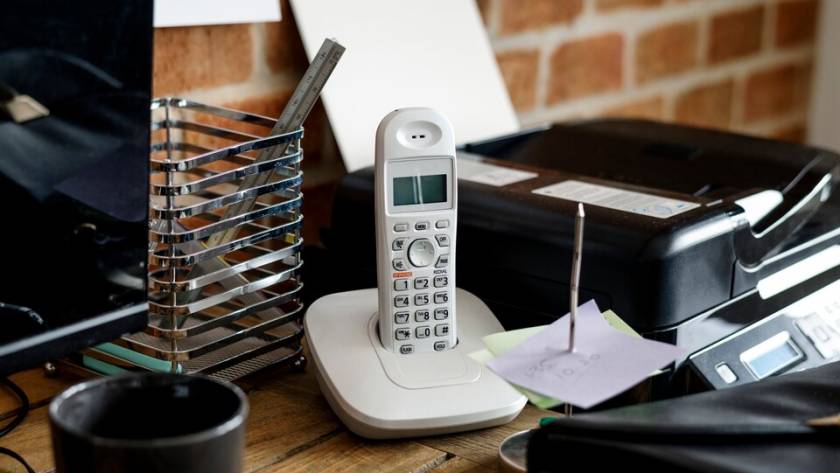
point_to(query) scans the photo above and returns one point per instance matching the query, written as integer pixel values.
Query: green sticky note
(499, 343)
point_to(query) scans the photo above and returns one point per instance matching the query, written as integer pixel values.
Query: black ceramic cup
(149, 423)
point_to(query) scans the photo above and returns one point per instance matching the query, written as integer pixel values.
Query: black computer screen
(73, 183)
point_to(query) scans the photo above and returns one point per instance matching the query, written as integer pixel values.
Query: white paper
(430, 53)
(490, 174)
(616, 199)
(605, 362)
(214, 12)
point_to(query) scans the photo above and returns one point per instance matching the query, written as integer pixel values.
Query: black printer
(724, 244)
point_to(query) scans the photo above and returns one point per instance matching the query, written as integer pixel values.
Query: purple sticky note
(605, 362)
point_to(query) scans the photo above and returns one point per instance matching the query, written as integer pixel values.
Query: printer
(723, 244)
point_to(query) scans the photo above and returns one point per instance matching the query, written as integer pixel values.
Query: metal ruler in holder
(225, 238)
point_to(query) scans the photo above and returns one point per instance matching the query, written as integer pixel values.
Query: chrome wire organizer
(224, 245)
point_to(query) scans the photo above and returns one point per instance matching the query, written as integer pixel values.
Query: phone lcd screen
(414, 190)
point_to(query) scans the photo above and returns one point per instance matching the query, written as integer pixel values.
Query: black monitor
(73, 183)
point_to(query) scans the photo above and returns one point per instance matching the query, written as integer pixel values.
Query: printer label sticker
(491, 174)
(617, 199)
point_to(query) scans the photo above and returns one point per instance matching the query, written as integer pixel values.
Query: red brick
(187, 58)
(519, 70)
(735, 34)
(776, 91)
(666, 51)
(283, 48)
(796, 22)
(708, 106)
(794, 133)
(523, 15)
(651, 109)
(587, 66)
(611, 5)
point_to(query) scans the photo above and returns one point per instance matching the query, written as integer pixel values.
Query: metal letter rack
(224, 256)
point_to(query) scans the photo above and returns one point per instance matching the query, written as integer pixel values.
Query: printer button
(400, 227)
(726, 374)
(442, 224)
(442, 261)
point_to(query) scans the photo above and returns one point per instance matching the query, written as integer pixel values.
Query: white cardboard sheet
(400, 53)
(214, 12)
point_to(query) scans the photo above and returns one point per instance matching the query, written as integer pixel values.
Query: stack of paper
(609, 358)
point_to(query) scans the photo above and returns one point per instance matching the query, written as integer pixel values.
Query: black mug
(149, 423)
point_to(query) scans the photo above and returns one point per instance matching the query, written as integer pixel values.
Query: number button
(423, 332)
(441, 281)
(440, 345)
(406, 349)
(401, 317)
(443, 239)
(421, 316)
(421, 299)
(442, 261)
(401, 301)
(402, 284)
(399, 244)
(400, 227)
(441, 330)
(421, 283)
(403, 333)
(442, 224)
(399, 264)
(441, 314)
(421, 226)
(441, 297)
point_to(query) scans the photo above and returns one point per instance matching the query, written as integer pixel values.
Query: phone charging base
(379, 394)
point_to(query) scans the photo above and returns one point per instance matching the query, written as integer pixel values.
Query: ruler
(298, 108)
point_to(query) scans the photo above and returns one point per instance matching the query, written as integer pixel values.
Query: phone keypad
(420, 253)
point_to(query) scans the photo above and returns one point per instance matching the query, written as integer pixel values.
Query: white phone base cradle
(379, 394)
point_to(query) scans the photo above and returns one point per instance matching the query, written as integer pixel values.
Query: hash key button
(441, 330)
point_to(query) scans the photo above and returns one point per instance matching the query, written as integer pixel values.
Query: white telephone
(416, 212)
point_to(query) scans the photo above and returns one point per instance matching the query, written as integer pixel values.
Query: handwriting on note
(605, 362)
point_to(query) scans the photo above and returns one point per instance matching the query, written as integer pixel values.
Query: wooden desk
(290, 428)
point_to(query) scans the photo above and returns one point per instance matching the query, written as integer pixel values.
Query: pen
(575, 278)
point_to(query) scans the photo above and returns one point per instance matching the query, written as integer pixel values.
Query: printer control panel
(803, 335)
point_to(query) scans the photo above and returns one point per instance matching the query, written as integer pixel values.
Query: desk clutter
(664, 296)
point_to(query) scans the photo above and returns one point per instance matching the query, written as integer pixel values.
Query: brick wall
(743, 65)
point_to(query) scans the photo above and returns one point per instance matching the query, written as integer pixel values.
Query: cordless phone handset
(416, 218)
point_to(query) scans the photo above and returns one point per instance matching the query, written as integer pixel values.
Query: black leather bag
(788, 423)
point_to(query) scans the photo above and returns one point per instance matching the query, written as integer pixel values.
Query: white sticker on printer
(616, 199)
(491, 174)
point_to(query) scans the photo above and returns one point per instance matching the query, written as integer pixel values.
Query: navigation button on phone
(442, 240)
(399, 264)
